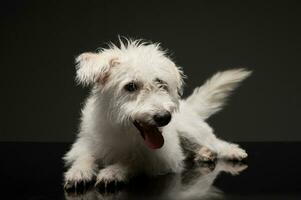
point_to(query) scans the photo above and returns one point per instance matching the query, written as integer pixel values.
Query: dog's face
(138, 84)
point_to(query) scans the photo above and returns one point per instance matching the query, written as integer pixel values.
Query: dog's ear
(93, 68)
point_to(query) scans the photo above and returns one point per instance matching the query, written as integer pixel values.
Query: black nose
(162, 119)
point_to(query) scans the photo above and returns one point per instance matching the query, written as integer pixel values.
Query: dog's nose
(162, 119)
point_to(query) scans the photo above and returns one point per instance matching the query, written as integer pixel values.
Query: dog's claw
(68, 187)
(109, 186)
(76, 187)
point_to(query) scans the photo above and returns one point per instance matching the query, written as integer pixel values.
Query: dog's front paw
(78, 180)
(110, 179)
(234, 152)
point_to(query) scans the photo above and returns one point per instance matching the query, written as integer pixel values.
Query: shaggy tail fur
(209, 98)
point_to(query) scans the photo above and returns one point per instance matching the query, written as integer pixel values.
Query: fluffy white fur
(109, 147)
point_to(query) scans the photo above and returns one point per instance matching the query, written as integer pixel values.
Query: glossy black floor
(272, 171)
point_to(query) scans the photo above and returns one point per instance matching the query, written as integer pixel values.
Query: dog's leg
(83, 166)
(226, 150)
(202, 134)
(112, 177)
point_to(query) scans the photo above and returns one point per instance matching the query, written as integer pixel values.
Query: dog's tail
(209, 98)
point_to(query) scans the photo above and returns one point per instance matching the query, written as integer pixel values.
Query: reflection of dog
(133, 120)
(194, 183)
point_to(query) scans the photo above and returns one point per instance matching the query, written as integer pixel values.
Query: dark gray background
(39, 40)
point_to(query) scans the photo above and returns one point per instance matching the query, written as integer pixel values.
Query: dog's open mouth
(151, 135)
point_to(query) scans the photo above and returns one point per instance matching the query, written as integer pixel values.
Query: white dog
(134, 120)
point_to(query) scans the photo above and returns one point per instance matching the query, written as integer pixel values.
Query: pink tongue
(153, 138)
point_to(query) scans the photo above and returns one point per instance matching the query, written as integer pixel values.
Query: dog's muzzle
(152, 134)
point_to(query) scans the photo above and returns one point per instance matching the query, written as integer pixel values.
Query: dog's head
(139, 86)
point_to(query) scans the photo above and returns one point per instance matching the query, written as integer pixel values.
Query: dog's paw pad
(205, 155)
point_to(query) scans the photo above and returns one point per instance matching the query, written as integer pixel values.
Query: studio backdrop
(40, 100)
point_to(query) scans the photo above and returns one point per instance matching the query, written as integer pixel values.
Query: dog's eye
(131, 87)
(161, 84)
